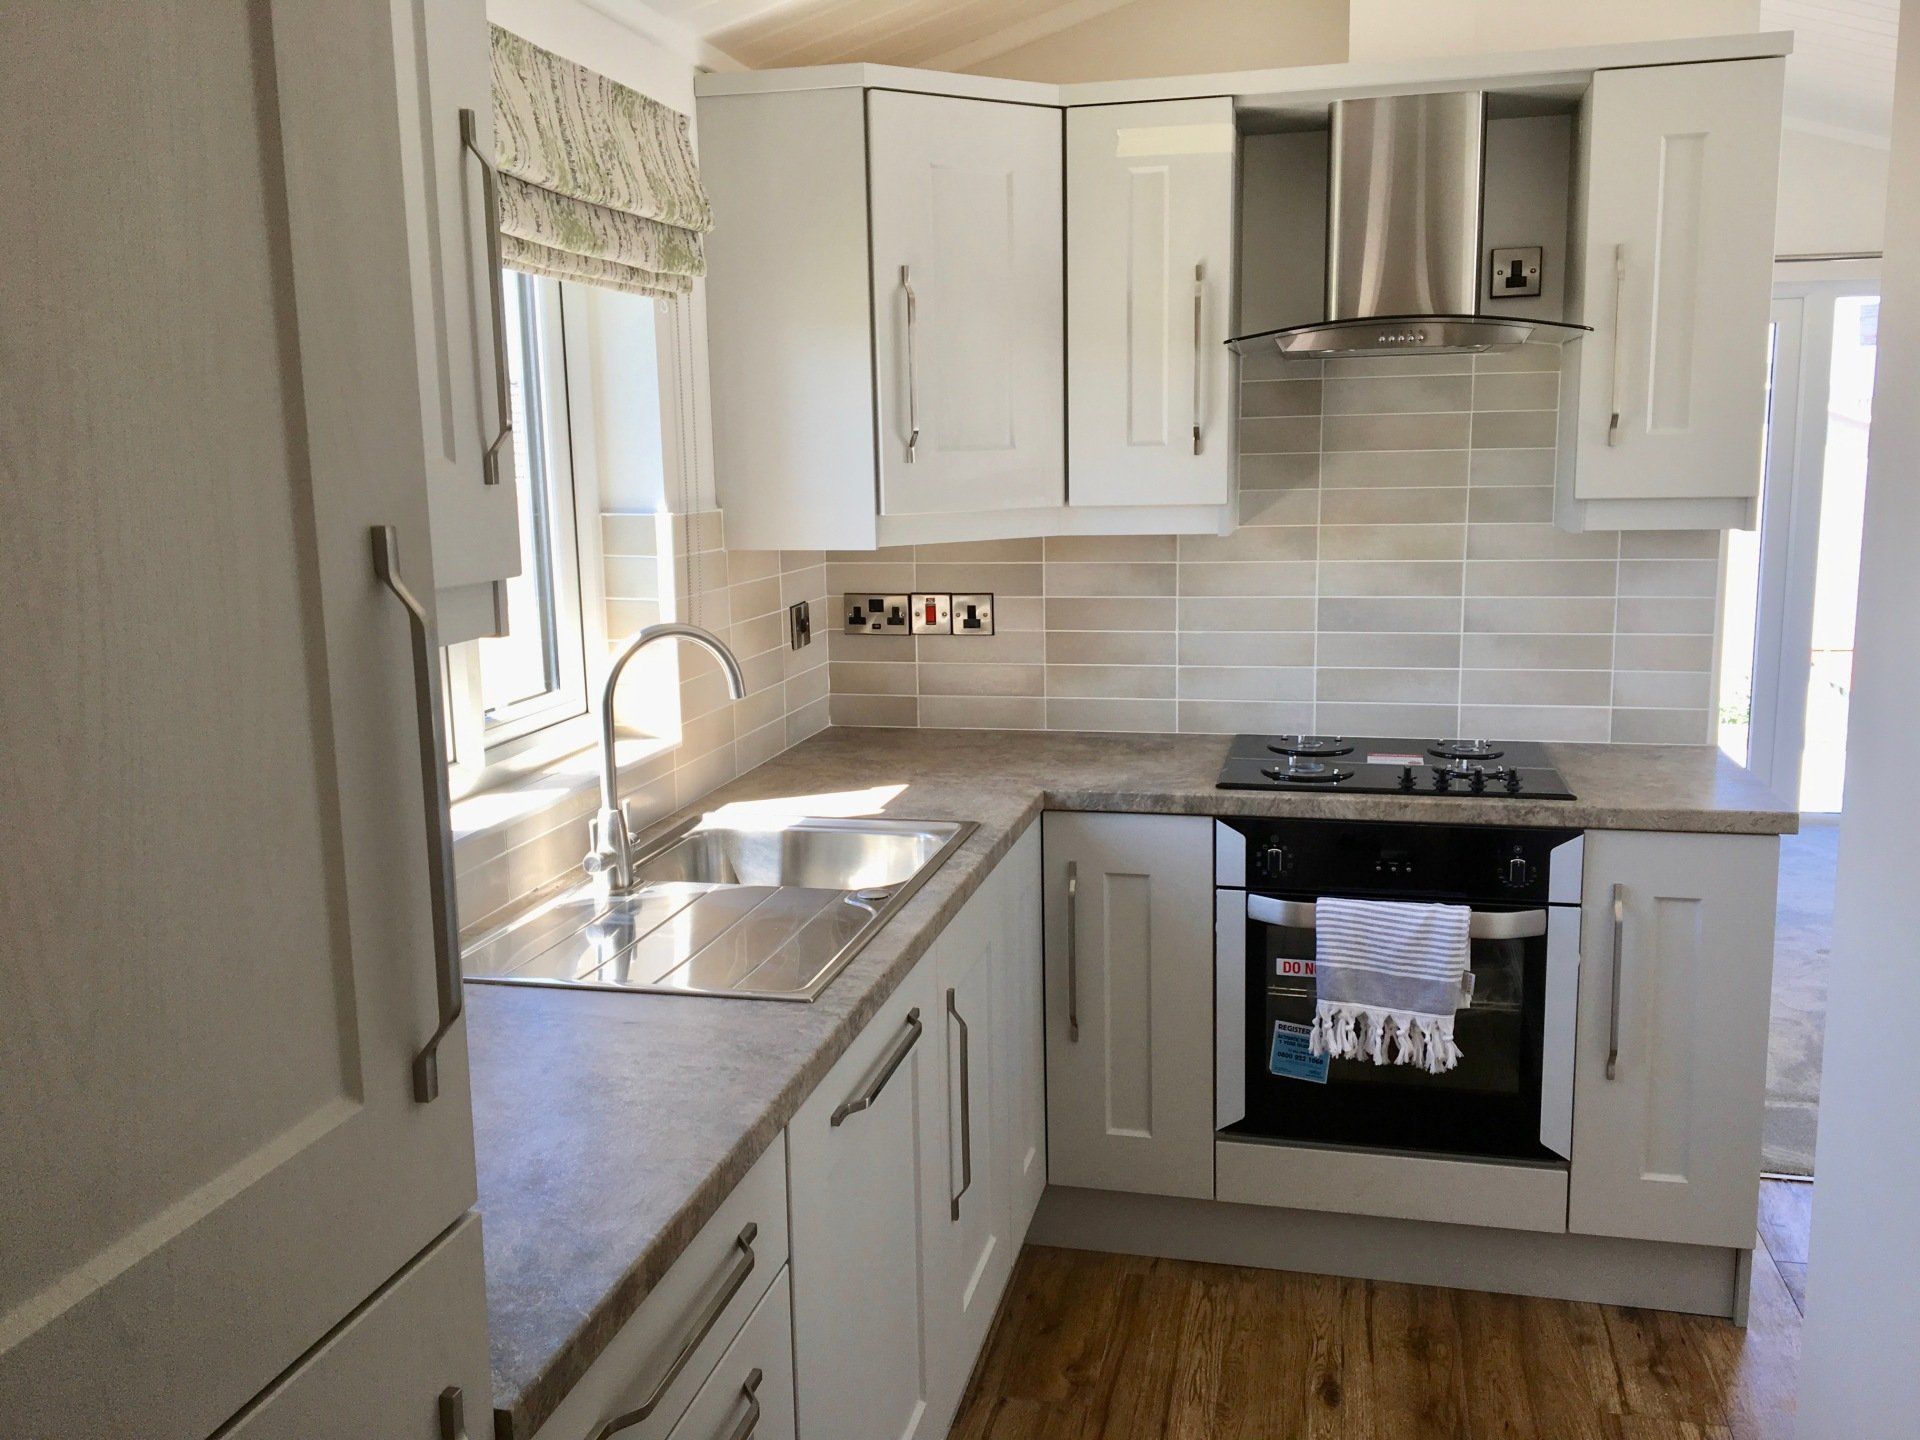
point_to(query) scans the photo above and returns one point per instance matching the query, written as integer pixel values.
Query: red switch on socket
(933, 612)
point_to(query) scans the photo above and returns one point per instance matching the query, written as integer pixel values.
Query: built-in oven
(1511, 1095)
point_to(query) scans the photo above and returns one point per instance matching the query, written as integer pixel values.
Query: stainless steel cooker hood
(1403, 237)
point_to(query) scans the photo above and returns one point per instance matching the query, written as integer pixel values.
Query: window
(510, 687)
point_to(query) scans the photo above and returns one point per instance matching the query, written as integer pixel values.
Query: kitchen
(1100, 587)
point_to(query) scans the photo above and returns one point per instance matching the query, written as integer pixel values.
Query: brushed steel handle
(750, 1421)
(490, 197)
(1613, 1008)
(866, 1098)
(1481, 925)
(1199, 350)
(1073, 950)
(1619, 350)
(966, 1105)
(913, 362)
(433, 789)
(453, 1414)
(737, 1272)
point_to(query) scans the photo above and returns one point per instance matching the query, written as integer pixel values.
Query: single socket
(932, 614)
(1513, 271)
(866, 614)
(973, 614)
(799, 625)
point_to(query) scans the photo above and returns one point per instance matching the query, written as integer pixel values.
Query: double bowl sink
(767, 912)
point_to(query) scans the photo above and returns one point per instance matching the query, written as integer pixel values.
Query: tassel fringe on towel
(1360, 1032)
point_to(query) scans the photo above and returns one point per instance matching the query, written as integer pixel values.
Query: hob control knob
(1441, 780)
(1479, 782)
(1513, 782)
(1406, 777)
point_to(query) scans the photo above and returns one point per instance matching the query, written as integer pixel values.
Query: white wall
(1406, 29)
(1181, 37)
(1863, 1307)
(1833, 195)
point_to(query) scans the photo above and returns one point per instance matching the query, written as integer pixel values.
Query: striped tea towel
(1389, 971)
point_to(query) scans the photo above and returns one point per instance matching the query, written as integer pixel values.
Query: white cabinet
(967, 298)
(749, 1395)
(649, 1373)
(1129, 968)
(1674, 248)
(1150, 404)
(868, 1193)
(444, 68)
(429, 1323)
(1672, 1051)
(214, 1146)
(1020, 1041)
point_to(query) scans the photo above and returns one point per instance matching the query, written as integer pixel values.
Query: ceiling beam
(1048, 21)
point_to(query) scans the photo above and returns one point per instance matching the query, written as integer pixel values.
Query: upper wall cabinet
(1675, 235)
(1149, 290)
(967, 298)
(887, 318)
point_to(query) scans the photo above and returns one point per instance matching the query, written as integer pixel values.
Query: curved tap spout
(611, 855)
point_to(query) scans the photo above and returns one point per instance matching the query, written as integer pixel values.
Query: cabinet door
(1682, 162)
(1129, 961)
(866, 1192)
(1150, 282)
(220, 962)
(750, 1392)
(1666, 1136)
(1020, 1045)
(969, 1249)
(967, 303)
(416, 1352)
(443, 67)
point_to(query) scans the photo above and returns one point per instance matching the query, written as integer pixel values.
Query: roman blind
(597, 182)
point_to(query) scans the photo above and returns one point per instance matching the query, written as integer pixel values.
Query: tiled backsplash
(1396, 571)
(740, 594)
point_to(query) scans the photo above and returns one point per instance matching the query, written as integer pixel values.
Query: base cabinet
(1129, 969)
(1675, 977)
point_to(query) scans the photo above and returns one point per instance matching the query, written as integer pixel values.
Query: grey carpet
(1803, 936)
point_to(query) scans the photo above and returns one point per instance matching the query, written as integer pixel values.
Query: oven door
(1510, 1097)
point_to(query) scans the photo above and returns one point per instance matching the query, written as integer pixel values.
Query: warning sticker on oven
(1297, 969)
(1289, 1058)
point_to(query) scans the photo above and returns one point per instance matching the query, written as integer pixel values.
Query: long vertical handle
(490, 195)
(966, 1105)
(1613, 1009)
(1619, 350)
(1073, 950)
(913, 361)
(433, 788)
(1199, 351)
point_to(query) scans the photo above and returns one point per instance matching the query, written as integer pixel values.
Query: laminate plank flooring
(1091, 1346)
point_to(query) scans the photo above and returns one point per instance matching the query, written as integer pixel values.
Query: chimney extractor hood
(1403, 237)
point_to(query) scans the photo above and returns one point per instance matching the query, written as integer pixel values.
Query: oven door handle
(1485, 924)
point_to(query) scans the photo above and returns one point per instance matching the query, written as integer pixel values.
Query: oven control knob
(1275, 861)
(1518, 872)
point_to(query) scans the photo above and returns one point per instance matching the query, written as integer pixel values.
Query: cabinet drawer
(750, 1392)
(655, 1365)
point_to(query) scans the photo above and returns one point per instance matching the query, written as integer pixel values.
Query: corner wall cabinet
(1679, 165)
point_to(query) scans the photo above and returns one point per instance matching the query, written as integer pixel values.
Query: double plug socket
(918, 614)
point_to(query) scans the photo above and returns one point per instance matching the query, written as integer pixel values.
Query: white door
(219, 964)
(970, 1253)
(1671, 1060)
(1020, 1044)
(967, 303)
(1682, 166)
(1150, 193)
(1129, 962)
(411, 1365)
(443, 69)
(867, 1190)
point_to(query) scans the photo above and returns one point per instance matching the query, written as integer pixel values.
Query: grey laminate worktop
(610, 1126)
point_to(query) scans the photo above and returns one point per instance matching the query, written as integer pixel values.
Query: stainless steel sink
(769, 912)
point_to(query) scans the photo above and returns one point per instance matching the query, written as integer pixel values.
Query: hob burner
(1310, 745)
(1465, 750)
(1303, 771)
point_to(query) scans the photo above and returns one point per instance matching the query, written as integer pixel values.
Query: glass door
(1788, 605)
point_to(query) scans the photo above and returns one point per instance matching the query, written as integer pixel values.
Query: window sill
(520, 797)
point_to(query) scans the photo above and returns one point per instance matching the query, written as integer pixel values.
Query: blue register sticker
(1289, 1057)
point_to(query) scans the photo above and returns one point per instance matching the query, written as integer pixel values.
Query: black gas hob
(1482, 769)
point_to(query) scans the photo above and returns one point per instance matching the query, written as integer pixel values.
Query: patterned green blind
(597, 182)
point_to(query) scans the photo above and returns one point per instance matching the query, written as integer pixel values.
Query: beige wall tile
(1535, 355)
(860, 677)
(1536, 722)
(973, 576)
(1204, 613)
(1666, 616)
(1392, 542)
(1394, 506)
(1513, 467)
(1108, 549)
(1245, 577)
(629, 534)
(1140, 682)
(1399, 365)
(893, 710)
(1538, 615)
(1663, 652)
(1424, 577)
(1510, 504)
(1536, 542)
(1663, 689)
(1536, 391)
(1360, 649)
(1537, 652)
(1395, 432)
(1110, 647)
(1662, 727)
(1514, 429)
(1003, 647)
(1345, 717)
(1280, 397)
(1236, 717)
(1671, 545)
(1289, 471)
(1413, 394)
(1247, 647)
(967, 551)
(1366, 469)
(1397, 687)
(1427, 616)
(1115, 614)
(1265, 542)
(1117, 579)
(1246, 682)
(983, 712)
(982, 679)
(1540, 577)
(1280, 436)
(1696, 578)
(1536, 687)
(1124, 715)
(1280, 507)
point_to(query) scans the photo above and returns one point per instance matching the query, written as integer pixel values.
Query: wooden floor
(1091, 1346)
